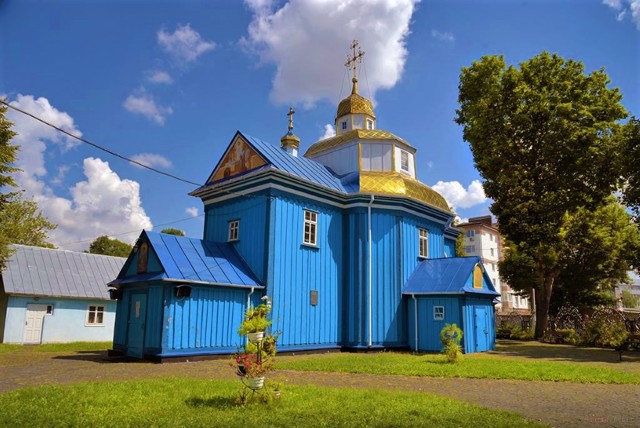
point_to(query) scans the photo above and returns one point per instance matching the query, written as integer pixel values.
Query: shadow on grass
(218, 402)
(100, 357)
(569, 353)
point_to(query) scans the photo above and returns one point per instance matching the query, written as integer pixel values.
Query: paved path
(556, 403)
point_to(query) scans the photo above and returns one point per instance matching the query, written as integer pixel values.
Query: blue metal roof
(296, 165)
(194, 260)
(448, 275)
(35, 271)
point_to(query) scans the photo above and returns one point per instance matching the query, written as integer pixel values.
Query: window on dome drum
(438, 313)
(95, 315)
(310, 227)
(234, 229)
(344, 124)
(423, 235)
(369, 124)
(404, 161)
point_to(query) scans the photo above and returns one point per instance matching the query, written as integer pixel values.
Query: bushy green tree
(629, 300)
(630, 166)
(172, 231)
(22, 223)
(542, 139)
(109, 247)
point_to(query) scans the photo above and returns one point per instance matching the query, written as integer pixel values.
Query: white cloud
(143, 103)
(152, 160)
(308, 41)
(459, 197)
(443, 36)
(184, 44)
(624, 6)
(430, 164)
(329, 131)
(192, 211)
(102, 205)
(159, 76)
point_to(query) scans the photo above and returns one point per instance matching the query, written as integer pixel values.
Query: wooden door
(33, 323)
(137, 323)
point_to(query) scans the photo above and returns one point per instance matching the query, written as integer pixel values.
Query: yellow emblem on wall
(477, 277)
(240, 157)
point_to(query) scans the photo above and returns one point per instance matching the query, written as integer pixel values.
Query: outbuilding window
(438, 313)
(234, 229)
(310, 227)
(424, 243)
(95, 315)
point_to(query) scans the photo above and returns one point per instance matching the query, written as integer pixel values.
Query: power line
(99, 147)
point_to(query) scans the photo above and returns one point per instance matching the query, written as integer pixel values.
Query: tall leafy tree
(630, 162)
(22, 223)
(109, 247)
(172, 231)
(541, 137)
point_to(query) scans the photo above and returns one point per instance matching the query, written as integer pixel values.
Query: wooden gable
(239, 158)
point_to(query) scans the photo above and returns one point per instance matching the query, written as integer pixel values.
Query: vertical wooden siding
(208, 319)
(298, 269)
(428, 328)
(472, 325)
(252, 238)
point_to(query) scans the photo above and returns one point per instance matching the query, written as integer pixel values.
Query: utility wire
(97, 146)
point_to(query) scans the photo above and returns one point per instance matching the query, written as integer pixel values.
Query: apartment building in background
(482, 238)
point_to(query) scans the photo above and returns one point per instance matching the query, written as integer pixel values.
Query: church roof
(192, 260)
(446, 276)
(355, 134)
(355, 104)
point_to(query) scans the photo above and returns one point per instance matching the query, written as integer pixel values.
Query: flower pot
(241, 371)
(255, 382)
(255, 337)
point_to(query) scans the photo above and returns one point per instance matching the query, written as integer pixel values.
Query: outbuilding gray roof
(35, 271)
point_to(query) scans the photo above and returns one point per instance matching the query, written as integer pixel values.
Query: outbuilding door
(482, 328)
(33, 324)
(137, 317)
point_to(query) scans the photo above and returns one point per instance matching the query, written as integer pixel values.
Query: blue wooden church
(353, 251)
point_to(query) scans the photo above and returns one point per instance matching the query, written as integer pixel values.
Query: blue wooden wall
(428, 328)
(252, 239)
(479, 325)
(297, 269)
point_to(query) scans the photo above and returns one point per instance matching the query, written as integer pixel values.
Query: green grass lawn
(472, 366)
(56, 347)
(191, 402)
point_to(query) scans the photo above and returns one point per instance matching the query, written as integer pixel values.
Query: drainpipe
(415, 320)
(370, 276)
(248, 306)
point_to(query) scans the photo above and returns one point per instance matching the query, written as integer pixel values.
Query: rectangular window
(49, 309)
(95, 315)
(438, 313)
(424, 243)
(470, 249)
(310, 227)
(492, 254)
(234, 229)
(344, 124)
(369, 124)
(470, 234)
(404, 161)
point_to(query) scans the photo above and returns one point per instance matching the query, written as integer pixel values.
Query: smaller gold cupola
(289, 142)
(355, 111)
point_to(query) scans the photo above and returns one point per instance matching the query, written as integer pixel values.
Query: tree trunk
(543, 300)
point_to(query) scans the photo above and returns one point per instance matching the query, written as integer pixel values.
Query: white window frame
(369, 124)
(310, 228)
(344, 125)
(404, 159)
(423, 243)
(438, 313)
(234, 230)
(97, 309)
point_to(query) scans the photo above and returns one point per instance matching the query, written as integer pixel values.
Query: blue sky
(169, 83)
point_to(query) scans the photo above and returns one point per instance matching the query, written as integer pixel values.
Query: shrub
(568, 335)
(255, 319)
(607, 333)
(450, 336)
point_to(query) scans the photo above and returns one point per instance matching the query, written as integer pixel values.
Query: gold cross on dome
(290, 114)
(352, 60)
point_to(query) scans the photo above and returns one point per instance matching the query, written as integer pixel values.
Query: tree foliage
(629, 300)
(542, 138)
(630, 166)
(109, 247)
(172, 231)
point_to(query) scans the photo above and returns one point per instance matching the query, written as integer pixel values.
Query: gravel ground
(559, 404)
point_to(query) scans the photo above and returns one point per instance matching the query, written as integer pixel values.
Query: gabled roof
(35, 271)
(184, 259)
(447, 276)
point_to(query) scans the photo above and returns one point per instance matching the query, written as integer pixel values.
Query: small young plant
(255, 319)
(450, 336)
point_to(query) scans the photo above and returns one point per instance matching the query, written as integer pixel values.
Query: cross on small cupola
(289, 142)
(352, 64)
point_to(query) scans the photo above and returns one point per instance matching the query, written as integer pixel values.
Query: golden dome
(355, 104)
(394, 183)
(355, 134)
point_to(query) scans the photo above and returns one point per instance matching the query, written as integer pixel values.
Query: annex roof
(35, 271)
(184, 259)
(446, 276)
